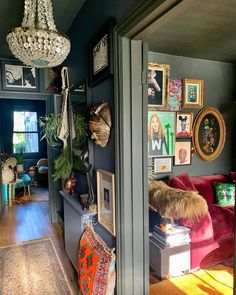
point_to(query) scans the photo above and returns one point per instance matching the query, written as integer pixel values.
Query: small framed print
(106, 200)
(184, 122)
(175, 95)
(192, 93)
(19, 77)
(158, 85)
(101, 57)
(163, 165)
(183, 152)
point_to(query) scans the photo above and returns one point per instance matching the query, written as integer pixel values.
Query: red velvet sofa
(211, 236)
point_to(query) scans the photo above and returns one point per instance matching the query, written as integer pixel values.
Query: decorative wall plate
(209, 134)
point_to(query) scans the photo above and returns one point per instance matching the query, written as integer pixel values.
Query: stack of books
(170, 236)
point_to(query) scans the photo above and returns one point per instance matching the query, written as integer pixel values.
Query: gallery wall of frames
(187, 127)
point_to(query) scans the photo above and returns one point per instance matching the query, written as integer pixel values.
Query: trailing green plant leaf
(80, 130)
(62, 165)
(50, 125)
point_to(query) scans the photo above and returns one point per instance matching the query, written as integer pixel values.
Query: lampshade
(37, 42)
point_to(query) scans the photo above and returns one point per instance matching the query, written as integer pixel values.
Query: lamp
(37, 42)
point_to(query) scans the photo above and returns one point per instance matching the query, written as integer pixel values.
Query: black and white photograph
(19, 77)
(101, 53)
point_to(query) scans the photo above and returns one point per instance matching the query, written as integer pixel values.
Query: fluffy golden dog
(175, 203)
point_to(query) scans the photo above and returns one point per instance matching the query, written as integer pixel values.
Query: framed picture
(18, 77)
(163, 165)
(106, 200)
(175, 95)
(209, 134)
(53, 79)
(158, 85)
(183, 152)
(184, 123)
(192, 93)
(101, 57)
(161, 133)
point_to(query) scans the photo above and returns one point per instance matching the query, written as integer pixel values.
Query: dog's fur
(174, 203)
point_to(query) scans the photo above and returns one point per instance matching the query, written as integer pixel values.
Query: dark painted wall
(219, 92)
(87, 24)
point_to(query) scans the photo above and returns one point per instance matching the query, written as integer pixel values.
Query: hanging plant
(50, 125)
(62, 165)
(80, 130)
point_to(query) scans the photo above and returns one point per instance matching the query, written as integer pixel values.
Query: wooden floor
(30, 221)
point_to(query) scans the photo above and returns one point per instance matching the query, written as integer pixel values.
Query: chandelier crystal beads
(37, 42)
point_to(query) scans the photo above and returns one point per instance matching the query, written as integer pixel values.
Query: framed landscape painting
(161, 133)
(158, 85)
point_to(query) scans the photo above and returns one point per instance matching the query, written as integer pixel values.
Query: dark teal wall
(219, 92)
(87, 24)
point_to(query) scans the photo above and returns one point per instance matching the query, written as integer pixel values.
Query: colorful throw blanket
(96, 265)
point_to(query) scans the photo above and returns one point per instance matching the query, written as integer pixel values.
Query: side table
(169, 261)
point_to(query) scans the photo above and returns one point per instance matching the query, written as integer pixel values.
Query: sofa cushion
(204, 185)
(225, 193)
(182, 181)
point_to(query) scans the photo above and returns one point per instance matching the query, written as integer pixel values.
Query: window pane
(27, 141)
(25, 121)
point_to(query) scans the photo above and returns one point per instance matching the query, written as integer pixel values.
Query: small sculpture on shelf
(70, 184)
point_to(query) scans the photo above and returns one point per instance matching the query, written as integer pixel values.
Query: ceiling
(11, 15)
(204, 29)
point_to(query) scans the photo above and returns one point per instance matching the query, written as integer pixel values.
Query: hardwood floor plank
(29, 221)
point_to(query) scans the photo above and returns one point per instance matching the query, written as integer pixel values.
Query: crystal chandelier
(37, 42)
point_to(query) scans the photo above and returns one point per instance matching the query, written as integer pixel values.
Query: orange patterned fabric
(96, 265)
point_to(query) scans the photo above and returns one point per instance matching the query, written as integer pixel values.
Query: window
(25, 132)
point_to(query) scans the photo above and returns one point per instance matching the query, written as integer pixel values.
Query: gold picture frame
(106, 200)
(193, 93)
(209, 134)
(158, 85)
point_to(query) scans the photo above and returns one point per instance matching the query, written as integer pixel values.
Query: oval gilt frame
(209, 134)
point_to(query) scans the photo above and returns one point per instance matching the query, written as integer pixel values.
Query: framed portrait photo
(183, 152)
(174, 101)
(19, 77)
(161, 133)
(163, 165)
(209, 134)
(184, 123)
(158, 85)
(101, 57)
(106, 200)
(192, 93)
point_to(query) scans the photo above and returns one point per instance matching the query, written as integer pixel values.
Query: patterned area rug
(38, 194)
(32, 268)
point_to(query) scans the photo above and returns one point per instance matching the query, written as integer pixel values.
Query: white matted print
(163, 165)
(184, 123)
(183, 155)
(106, 199)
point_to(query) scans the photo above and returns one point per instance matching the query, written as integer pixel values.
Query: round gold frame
(198, 149)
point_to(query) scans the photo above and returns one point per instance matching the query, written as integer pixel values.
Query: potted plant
(19, 158)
